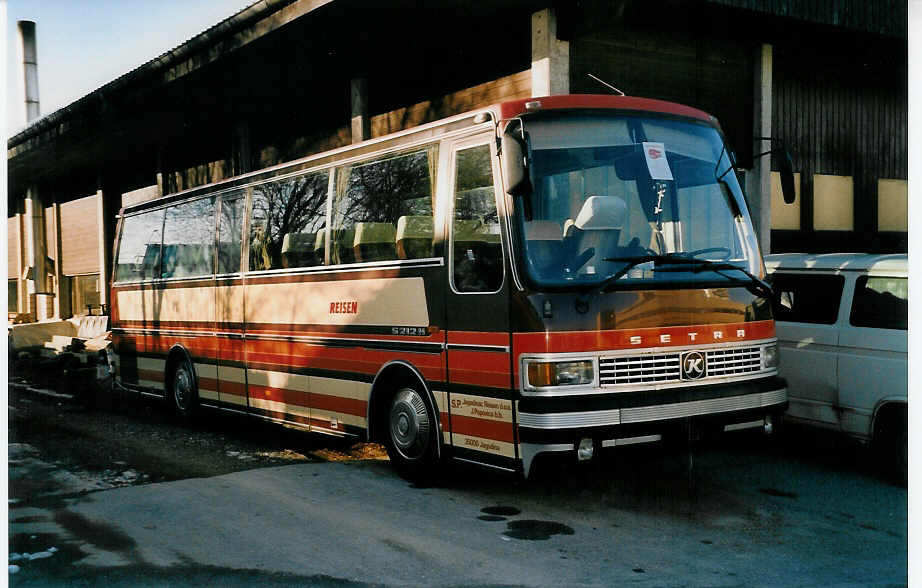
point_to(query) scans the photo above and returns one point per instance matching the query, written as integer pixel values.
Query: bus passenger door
(477, 315)
(229, 327)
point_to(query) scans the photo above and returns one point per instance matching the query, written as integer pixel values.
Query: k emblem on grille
(693, 365)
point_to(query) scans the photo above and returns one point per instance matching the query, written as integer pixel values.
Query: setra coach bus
(563, 274)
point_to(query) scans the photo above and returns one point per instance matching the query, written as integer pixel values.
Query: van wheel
(411, 435)
(183, 391)
(891, 439)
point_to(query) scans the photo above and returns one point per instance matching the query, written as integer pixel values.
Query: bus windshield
(624, 194)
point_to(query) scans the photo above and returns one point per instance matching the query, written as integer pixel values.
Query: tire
(891, 441)
(412, 441)
(183, 391)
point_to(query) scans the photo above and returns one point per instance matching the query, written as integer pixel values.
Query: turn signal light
(561, 373)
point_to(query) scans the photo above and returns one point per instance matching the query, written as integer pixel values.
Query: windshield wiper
(753, 284)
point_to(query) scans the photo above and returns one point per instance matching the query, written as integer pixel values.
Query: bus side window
(477, 264)
(383, 209)
(139, 247)
(285, 221)
(230, 233)
(188, 239)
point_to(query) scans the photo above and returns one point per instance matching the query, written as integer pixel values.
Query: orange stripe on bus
(487, 429)
(642, 338)
(338, 404)
(151, 375)
(233, 388)
(281, 395)
(479, 368)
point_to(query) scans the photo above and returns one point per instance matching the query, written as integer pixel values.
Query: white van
(841, 321)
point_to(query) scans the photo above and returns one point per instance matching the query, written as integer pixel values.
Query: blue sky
(84, 44)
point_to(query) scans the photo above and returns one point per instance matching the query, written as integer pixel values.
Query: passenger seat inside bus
(298, 250)
(375, 241)
(414, 237)
(342, 249)
(594, 234)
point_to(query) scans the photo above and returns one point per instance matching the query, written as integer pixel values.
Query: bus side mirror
(515, 169)
(786, 169)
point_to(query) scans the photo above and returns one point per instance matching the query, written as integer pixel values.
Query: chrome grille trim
(664, 368)
(699, 407)
(570, 420)
(658, 412)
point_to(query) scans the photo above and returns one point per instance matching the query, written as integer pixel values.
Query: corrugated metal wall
(714, 75)
(842, 114)
(882, 17)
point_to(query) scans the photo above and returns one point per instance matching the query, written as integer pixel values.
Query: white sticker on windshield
(655, 154)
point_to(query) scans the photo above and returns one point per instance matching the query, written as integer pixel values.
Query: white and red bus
(562, 274)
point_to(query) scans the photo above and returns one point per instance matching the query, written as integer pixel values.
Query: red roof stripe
(517, 107)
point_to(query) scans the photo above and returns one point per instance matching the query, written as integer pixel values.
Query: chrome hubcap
(409, 424)
(182, 387)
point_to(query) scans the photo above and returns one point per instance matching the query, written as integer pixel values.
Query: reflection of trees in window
(474, 184)
(188, 239)
(139, 248)
(476, 249)
(370, 200)
(230, 233)
(287, 215)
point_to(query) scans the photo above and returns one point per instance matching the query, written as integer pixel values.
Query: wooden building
(286, 78)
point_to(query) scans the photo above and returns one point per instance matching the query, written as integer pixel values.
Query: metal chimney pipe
(29, 68)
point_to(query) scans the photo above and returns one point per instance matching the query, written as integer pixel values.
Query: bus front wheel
(411, 435)
(183, 392)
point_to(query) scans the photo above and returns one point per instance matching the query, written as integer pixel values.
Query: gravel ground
(130, 441)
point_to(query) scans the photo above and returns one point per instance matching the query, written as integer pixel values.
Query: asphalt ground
(124, 494)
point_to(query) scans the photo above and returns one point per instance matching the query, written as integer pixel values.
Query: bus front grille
(666, 367)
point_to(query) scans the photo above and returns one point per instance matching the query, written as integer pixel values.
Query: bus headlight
(770, 356)
(560, 373)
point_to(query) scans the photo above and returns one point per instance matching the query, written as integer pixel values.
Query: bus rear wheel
(411, 435)
(183, 391)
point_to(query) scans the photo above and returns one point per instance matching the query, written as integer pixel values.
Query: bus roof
(505, 110)
(600, 101)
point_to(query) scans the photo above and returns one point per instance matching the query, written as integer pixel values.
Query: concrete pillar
(36, 254)
(550, 57)
(103, 249)
(758, 184)
(22, 289)
(361, 122)
(61, 306)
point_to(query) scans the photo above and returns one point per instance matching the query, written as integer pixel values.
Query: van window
(881, 302)
(287, 222)
(139, 248)
(807, 298)
(383, 209)
(188, 239)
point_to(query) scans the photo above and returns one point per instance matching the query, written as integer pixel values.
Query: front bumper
(558, 424)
